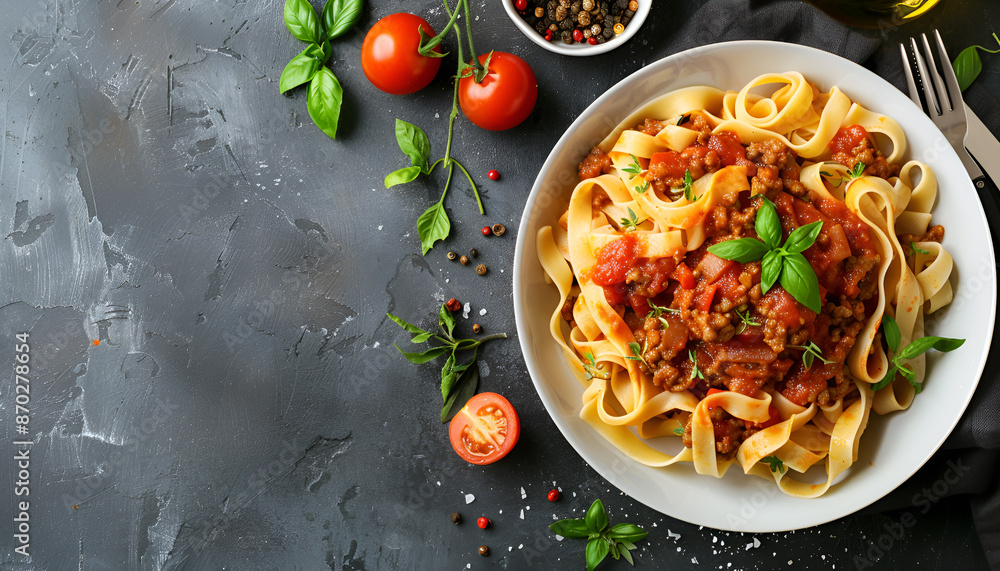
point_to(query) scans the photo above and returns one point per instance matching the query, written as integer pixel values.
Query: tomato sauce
(848, 138)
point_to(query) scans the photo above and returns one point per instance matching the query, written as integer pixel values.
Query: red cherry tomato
(506, 95)
(485, 430)
(389, 55)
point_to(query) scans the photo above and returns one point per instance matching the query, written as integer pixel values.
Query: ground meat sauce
(742, 339)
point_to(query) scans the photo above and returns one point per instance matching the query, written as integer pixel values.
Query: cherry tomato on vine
(504, 98)
(389, 55)
(485, 430)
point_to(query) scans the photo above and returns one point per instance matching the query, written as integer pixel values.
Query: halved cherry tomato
(504, 98)
(485, 430)
(683, 274)
(389, 55)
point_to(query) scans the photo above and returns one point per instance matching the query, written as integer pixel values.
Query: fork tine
(911, 85)
(949, 71)
(932, 103)
(942, 91)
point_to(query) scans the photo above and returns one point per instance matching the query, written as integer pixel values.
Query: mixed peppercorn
(577, 21)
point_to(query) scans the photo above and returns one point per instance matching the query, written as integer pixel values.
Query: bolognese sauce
(704, 322)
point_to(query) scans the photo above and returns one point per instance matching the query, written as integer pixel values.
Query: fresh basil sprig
(618, 540)
(693, 356)
(917, 347)
(810, 352)
(433, 224)
(630, 223)
(325, 95)
(688, 188)
(968, 65)
(782, 264)
(634, 168)
(458, 380)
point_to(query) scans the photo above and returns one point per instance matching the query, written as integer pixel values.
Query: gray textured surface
(245, 407)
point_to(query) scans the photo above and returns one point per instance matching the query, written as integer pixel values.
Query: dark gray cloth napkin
(971, 455)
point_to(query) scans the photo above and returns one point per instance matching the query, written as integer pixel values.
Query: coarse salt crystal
(522, 514)
(756, 543)
(671, 534)
(469, 498)
(482, 311)
(523, 493)
(694, 560)
(559, 537)
(466, 309)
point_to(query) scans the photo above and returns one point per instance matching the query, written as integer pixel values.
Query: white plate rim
(768, 517)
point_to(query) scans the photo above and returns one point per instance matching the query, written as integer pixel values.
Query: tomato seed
(553, 495)
(483, 522)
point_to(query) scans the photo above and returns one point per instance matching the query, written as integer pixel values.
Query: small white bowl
(580, 49)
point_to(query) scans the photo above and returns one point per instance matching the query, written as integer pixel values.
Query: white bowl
(893, 446)
(580, 49)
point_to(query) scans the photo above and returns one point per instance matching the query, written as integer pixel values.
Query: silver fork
(944, 102)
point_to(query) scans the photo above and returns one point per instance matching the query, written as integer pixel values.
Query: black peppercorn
(474, 253)
(456, 518)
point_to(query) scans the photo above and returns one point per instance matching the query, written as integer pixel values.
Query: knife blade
(983, 145)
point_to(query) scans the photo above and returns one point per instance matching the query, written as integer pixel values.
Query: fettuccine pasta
(670, 340)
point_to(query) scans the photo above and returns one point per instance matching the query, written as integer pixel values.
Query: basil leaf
(401, 176)
(742, 250)
(597, 550)
(889, 376)
(457, 371)
(572, 528)
(433, 225)
(770, 269)
(301, 68)
(428, 355)
(448, 375)
(627, 532)
(414, 143)
(301, 20)
(968, 65)
(596, 518)
(920, 346)
(613, 550)
(799, 280)
(767, 224)
(325, 97)
(421, 337)
(807, 359)
(628, 556)
(446, 321)
(339, 16)
(890, 329)
(803, 237)
(463, 391)
(409, 327)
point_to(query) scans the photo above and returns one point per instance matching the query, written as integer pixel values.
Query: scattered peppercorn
(474, 253)
(619, 28)
(483, 522)
(464, 260)
(498, 229)
(452, 255)
(577, 34)
(553, 495)
(493, 174)
(453, 305)
(592, 41)
(521, 5)
(456, 518)
(483, 550)
(477, 328)
(486, 230)
(481, 269)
